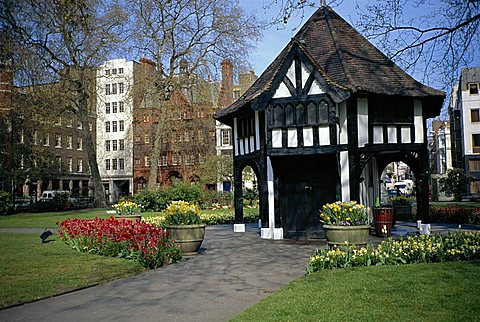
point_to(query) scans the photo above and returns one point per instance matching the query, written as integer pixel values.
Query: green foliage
(418, 249)
(182, 213)
(434, 190)
(250, 195)
(401, 200)
(455, 214)
(218, 199)
(212, 217)
(5, 202)
(455, 183)
(59, 202)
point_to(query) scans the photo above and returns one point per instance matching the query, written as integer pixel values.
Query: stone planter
(402, 213)
(189, 237)
(338, 235)
(129, 217)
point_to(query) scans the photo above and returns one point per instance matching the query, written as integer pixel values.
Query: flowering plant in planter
(401, 201)
(182, 213)
(347, 213)
(127, 208)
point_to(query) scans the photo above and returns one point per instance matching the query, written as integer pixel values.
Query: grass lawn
(31, 270)
(420, 292)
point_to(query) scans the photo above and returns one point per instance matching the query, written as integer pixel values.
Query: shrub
(213, 218)
(218, 199)
(5, 202)
(456, 215)
(148, 199)
(401, 201)
(121, 238)
(417, 249)
(59, 202)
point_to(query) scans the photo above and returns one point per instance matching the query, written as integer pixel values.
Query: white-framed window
(121, 164)
(107, 108)
(114, 164)
(114, 88)
(114, 126)
(225, 137)
(46, 139)
(69, 142)
(164, 160)
(121, 88)
(70, 164)
(121, 144)
(174, 159)
(107, 72)
(473, 88)
(58, 121)
(147, 160)
(107, 89)
(114, 107)
(186, 136)
(121, 125)
(107, 145)
(114, 145)
(121, 106)
(107, 164)
(22, 137)
(114, 71)
(90, 127)
(79, 165)
(120, 70)
(35, 137)
(58, 141)
(69, 122)
(107, 127)
(79, 144)
(138, 139)
(146, 138)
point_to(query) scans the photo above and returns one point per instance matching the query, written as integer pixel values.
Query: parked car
(49, 194)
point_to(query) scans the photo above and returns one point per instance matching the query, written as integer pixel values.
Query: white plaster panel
(257, 131)
(362, 121)
(269, 232)
(292, 138)
(242, 150)
(307, 136)
(345, 175)
(392, 134)
(291, 74)
(406, 135)
(305, 74)
(378, 134)
(282, 91)
(277, 138)
(342, 115)
(418, 121)
(252, 143)
(315, 88)
(235, 136)
(324, 135)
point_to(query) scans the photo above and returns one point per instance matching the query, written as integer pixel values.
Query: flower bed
(455, 214)
(214, 218)
(418, 249)
(139, 241)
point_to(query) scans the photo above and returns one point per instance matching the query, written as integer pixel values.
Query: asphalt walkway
(232, 272)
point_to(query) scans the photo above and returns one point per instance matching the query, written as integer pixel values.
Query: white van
(49, 194)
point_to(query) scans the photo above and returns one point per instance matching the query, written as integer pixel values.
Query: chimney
(226, 88)
(147, 62)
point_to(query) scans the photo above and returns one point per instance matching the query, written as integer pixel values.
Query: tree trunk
(154, 157)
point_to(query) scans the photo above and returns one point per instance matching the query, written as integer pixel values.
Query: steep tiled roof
(346, 59)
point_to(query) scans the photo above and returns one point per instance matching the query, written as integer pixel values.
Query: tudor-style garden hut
(322, 122)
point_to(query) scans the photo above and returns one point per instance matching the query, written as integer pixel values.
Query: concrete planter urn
(129, 217)
(402, 213)
(338, 235)
(188, 237)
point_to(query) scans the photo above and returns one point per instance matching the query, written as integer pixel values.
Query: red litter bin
(383, 221)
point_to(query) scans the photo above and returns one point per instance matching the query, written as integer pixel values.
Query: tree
(216, 168)
(431, 39)
(455, 183)
(68, 39)
(187, 39)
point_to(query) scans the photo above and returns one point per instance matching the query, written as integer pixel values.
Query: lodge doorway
(305, 184)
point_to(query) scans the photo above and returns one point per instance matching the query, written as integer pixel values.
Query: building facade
(464, 111)
(440, 147)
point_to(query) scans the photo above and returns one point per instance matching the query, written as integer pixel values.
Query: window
(107, 145)
(138, 139)
(35, 137)
(164, 160)
(146, 138)
(121, 125)
(476, 143)
(79, 165)
(147, 161)
(79, 143)
(70, 122)
(114, 126)
(186, 136)
(114, 88)
(121, 88)
(46, 139)
(107, 89)
(475, 186)
(114, 164)
(225, 134)
(70, 164)
(474, 165)
(121, 144)
(107, 108)
(121, 106)
(69, 141)
(473, 88)
(114, 107)
(58, 122)
(107, 72)
(79, 125)
(58, 141)
(22, 137)
(120, 70)
(114, 71)
(107, 164)
(146, 118)
(107, 127)
(114, 145)
(474, 115)
(174, 160)
(59, 163)
(121, 164)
